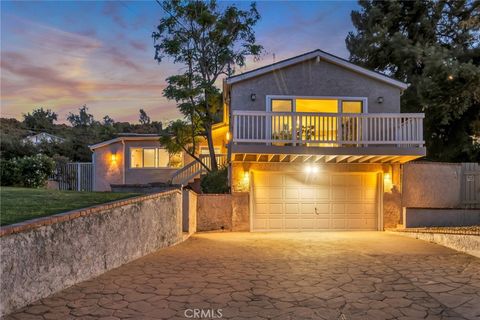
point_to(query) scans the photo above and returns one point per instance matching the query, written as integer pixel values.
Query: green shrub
(9, 173)
(29, 171)
(215, 181)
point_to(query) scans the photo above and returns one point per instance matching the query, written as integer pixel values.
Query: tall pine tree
(434, 46)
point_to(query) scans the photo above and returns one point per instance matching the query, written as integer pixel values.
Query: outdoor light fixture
(450, 77)
(387, 182)
(227, 136)
(114, 157)
(311, 169)
(380, 99)
(253, 97)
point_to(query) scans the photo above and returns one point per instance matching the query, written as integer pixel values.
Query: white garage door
(324, 201)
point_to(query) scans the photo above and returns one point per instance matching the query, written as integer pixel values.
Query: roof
(134, 137)
(322, 55)
(44, 134)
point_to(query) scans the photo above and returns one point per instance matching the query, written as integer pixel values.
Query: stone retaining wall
(468, 243)
(45, 255)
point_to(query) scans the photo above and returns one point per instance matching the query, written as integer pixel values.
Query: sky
(62, 55)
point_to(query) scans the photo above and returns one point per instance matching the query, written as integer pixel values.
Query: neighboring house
(316, 141)
(138, 159)
(43, 137)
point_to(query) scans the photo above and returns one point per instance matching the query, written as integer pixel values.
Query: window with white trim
(154, 158)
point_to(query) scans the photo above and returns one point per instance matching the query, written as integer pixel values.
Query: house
(42, 137)
(316, 141)
(139, 159)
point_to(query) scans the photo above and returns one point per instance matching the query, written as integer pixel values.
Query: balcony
(384, 137)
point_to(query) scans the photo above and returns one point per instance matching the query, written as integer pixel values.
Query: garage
(297, 201)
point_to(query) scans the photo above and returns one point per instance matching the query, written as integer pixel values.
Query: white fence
(328, 129)
(76, 176)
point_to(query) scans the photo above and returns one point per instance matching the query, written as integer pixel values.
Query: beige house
(316, 141)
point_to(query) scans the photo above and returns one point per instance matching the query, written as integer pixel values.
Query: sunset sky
(62, 55)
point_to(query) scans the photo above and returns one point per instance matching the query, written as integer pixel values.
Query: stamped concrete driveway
(332, 275)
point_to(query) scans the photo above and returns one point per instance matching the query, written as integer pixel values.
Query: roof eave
(323, 56)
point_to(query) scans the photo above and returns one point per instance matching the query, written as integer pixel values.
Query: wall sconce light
(380, 99)
(253, 97)
(387, 182)
(227, 136)
(113, 157)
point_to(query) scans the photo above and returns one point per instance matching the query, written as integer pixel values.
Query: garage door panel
(307, 208)
(340, 201)
(275, 193)
(308, 193)
(292, 223)
(292, 208)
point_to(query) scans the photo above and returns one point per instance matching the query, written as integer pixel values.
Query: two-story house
(317, 142)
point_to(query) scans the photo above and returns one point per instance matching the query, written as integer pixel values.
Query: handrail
(195, 169)
(334, 129)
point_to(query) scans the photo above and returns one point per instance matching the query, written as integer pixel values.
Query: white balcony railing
(328, 129)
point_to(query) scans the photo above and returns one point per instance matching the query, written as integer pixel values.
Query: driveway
(329, 275)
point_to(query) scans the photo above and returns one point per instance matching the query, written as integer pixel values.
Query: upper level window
(282, 105)
(320, 105)
(352, 106)
(154, 158)
(317, 105)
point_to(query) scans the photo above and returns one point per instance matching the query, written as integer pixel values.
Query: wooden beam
(293, 158)
(341, 158)
(388, 159)
(365, 158)
(305, 159)
(270, 157)
(377, 159)
(353, 159)
(320, 159)
(329, 159)
(282, 157)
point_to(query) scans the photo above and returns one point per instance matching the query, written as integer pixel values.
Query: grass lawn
(19, 204)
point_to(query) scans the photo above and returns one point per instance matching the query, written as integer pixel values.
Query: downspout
(123, 162)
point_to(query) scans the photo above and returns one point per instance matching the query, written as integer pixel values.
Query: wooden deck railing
(328, 129)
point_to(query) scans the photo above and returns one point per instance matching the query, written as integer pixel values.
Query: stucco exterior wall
(223, 212)
(431, 185)
(310, 78)
(108, 172)
(189, 222)
(46, 255)
(214, 212)
(105, 170)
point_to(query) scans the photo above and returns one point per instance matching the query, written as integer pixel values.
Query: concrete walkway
(331, 275)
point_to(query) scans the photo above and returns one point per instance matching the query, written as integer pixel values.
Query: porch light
(253, 97)
(113, 157)
(311, 169)
(227, 136)
(246, 177)
(387, 182)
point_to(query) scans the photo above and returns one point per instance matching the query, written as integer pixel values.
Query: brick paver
(331, 275)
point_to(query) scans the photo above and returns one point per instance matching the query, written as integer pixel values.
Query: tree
(82, 119)
(434, 46)
(181, 136)
(144, 119)
(40, 119)
(209, 43)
